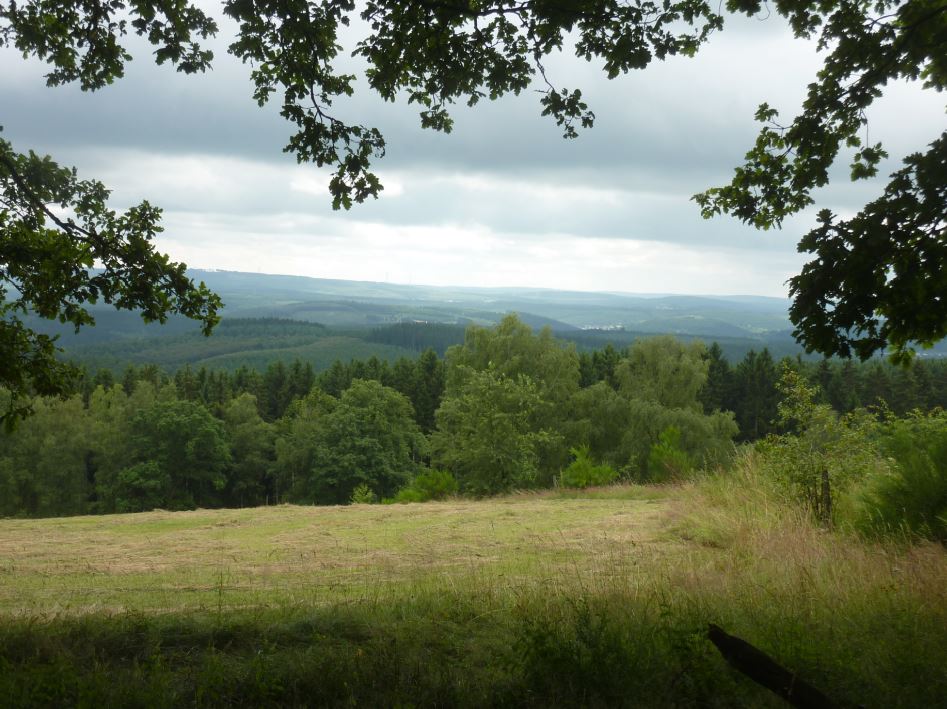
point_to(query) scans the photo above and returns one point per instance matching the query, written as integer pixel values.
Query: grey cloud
(684, 121)
(640, 121)
(572, 203)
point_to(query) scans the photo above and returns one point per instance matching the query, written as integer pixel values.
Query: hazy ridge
(265, 319)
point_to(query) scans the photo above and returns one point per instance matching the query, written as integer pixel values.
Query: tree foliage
(251, 450)
(820, 454)
(182, 455)
(876, 279)
(664, 370)
(47, 262)
(145, 439)
(490, 435)
(54, 227)
(912, 495)
(367, 436)
(659, 382)
(526, 381)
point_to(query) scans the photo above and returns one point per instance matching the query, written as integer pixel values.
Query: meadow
(568, 598)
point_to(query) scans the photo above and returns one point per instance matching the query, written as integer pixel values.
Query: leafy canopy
(875, 280)
(878, 278)
(54, 227)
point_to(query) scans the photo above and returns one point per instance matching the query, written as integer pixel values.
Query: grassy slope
(161, 561)
(591, 599)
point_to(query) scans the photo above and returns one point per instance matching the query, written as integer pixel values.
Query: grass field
(286, 555)
(583, 599)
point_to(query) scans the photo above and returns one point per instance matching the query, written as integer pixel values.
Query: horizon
(720, 296)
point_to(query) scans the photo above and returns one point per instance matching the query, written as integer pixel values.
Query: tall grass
(911, 498)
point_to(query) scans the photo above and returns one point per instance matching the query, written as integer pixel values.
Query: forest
(509, 409)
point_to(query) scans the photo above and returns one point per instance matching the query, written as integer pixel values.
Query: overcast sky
(502, 201)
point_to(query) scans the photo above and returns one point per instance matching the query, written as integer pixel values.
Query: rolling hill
(269, 317)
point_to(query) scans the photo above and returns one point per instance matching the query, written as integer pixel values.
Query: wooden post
(826, 498)
(764, 670)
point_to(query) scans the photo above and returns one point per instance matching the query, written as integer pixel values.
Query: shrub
(822, 455)
(582, 472)
(362, 495)
(666, 460)
(426, 486)
(912, 495)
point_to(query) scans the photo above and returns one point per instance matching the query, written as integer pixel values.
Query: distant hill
(236, 342)
(269, 317)
(360, 303)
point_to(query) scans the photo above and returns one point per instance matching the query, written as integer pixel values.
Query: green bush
(363, 495)
(426, 486)
(582, 472)
(666, 460)
(912, 494)
(821, 458)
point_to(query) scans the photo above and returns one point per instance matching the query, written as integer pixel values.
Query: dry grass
(287, 554)
(720, 541)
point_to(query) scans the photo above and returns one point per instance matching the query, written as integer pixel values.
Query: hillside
(357, 303)
(236, 342)
(354, 319)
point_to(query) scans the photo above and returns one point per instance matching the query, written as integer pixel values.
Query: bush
(582, 472)
(430, 485)
(912, 495)
(363, 495)
(822, 456)
(666, 460)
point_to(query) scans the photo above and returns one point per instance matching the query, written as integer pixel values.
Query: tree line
(510, 408)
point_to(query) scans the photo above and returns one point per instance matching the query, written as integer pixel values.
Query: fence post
(826, 498)
(765, 671)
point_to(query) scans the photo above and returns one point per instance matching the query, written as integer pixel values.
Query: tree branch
(67, 226)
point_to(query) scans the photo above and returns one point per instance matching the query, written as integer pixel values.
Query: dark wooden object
(764, 670)
(826, 499)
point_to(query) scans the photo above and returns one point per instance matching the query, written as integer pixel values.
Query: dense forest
(510, 408)
(259, 341)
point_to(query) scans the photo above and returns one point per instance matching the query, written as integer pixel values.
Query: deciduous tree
(370, 438)
(488, 434)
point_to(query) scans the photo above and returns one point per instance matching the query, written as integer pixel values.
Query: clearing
(269, 556)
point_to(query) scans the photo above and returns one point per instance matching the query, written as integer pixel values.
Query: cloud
(527, 207)
(468, 256)
(503, 200)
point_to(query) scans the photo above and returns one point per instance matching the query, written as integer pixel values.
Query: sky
(501, 201)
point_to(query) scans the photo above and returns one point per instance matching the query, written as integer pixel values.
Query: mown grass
(593, 599)
(275, 556)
